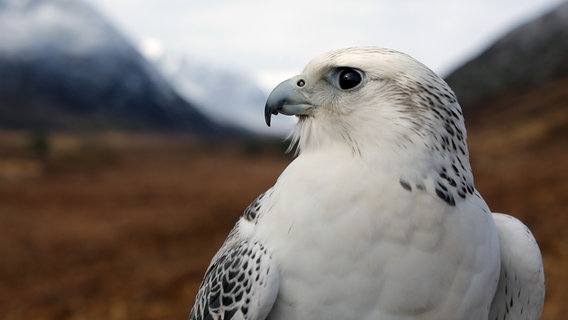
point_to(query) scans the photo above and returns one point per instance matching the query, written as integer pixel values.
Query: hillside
(529, 56)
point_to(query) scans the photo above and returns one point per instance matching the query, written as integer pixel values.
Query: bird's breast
(348, 238)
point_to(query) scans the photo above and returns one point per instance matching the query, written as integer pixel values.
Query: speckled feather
(242, 281)
(378, 216)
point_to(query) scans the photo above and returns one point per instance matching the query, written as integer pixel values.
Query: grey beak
(290, 97)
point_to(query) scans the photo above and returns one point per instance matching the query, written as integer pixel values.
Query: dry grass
(121, 231)
(122, 227)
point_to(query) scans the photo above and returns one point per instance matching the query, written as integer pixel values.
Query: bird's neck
(413, 167)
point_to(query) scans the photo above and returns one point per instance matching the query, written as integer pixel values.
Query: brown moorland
(122, 226)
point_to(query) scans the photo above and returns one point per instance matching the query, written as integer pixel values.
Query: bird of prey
(377, 217)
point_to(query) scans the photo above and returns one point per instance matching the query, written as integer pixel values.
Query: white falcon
(377, 217)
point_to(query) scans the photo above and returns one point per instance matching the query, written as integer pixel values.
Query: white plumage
(377, 217)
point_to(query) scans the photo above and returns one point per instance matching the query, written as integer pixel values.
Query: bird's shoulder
(242, 279)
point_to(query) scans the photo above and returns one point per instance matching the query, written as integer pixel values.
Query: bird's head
(368, 98)
(387, 108)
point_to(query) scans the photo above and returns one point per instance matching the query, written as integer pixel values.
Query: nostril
(301, 83)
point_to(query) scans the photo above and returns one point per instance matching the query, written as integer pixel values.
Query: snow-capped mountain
(226, 96)
(63, 66)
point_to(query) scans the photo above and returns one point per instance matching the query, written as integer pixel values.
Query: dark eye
(349, 78)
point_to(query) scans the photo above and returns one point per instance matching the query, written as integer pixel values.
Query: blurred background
(132, 133)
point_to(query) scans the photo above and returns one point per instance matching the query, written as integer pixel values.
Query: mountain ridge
(528, 56)
(65, 67)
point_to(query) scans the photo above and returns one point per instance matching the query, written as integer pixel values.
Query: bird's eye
(349, 78)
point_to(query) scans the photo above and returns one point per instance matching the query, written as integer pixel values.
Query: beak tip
(267, 115)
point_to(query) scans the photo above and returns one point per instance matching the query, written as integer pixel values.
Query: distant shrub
(255, 147)
(39, 144)
(251, 147)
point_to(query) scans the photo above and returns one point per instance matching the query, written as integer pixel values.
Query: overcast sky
(272, 40)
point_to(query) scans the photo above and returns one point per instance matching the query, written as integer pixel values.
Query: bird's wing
(520, 291)
(241, 283)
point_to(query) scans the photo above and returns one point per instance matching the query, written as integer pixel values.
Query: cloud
(263, 38)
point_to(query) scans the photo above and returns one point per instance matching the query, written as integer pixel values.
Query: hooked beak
(290, 97)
